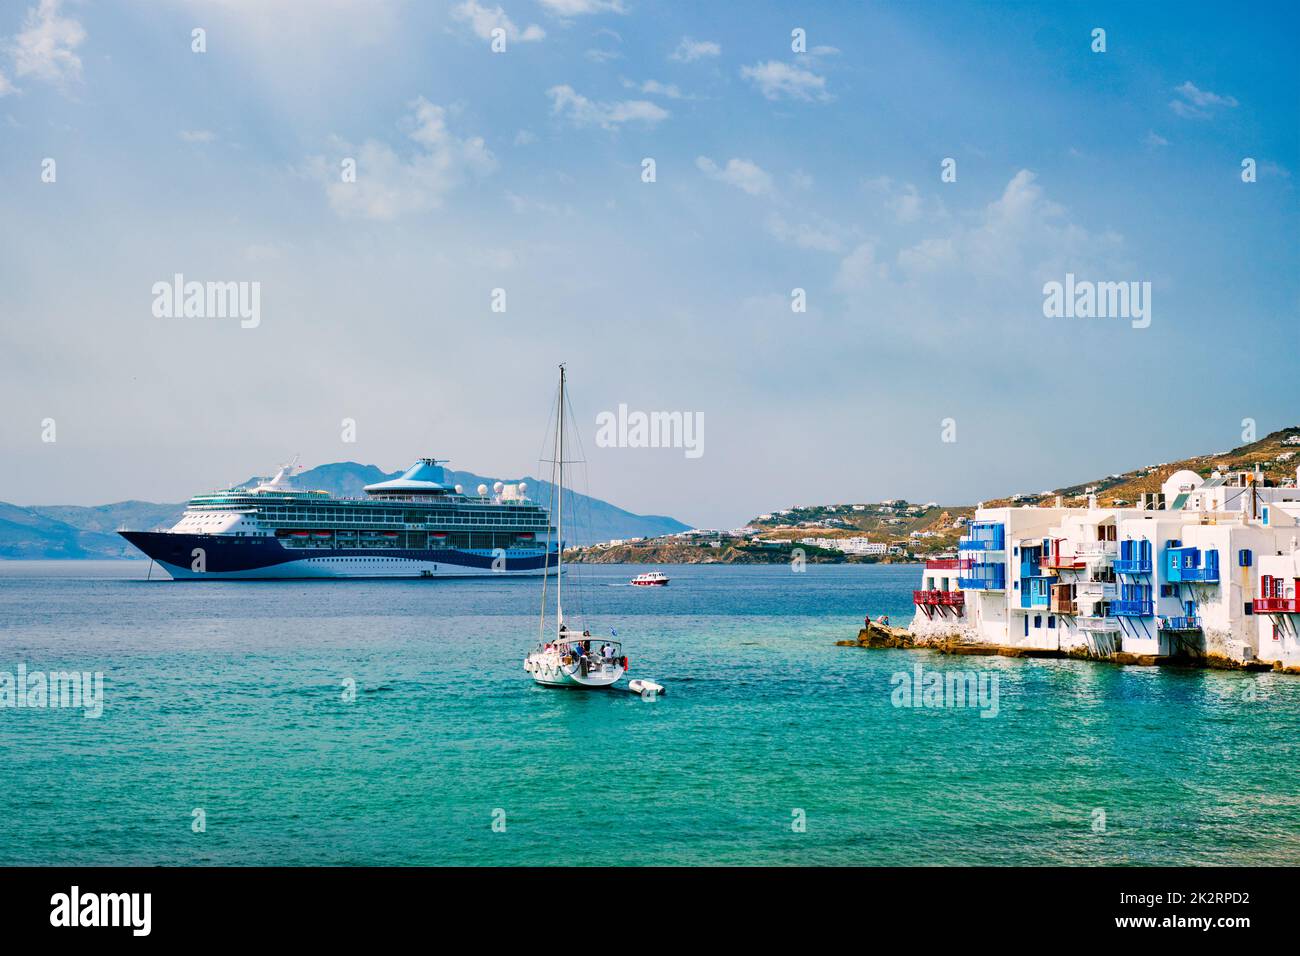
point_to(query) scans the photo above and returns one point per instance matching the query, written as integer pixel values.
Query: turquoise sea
(230, 698)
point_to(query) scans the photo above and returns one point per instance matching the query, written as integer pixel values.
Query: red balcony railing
(1062, 562)
(943, 564)
(1277, 605)
(940, 598)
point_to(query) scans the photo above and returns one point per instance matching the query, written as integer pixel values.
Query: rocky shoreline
(877, 636)
(676, 553)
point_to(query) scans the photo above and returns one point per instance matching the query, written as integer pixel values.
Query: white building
(1277, 607)
(1180, 573)
(855, 545)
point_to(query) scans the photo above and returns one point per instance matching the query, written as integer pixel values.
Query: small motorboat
(650, 579)
(648, 689)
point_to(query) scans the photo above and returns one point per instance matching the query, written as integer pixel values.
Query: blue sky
(522, 170)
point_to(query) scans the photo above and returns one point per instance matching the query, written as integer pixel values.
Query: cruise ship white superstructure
(414, 525)
(1206, 567)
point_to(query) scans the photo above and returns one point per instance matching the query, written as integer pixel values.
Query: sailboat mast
(559, 511)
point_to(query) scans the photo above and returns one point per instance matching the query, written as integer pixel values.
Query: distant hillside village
(896, 530)
(888, 531)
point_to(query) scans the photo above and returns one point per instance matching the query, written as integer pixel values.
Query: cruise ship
(415, 525)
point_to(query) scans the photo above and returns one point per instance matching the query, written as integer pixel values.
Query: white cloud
(859, 269)
(1269, 168)
(926, 255)
(573, 8)
(822, 238)
(976, 277)
(45, 48)
(1197, 103)
(1204, 97)
(602, 56)
(1155, 139)
(5, 86)
(1020, 236)
(262, 252)
(689, 50)
(777, 81)
(906, 205)
(526, 204)
(483, 20)
(584, 112)
(388, 185)
(198, 135)
(742, 173)
(904, 200)
(655, 88)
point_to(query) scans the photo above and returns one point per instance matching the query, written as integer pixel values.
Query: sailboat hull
(548, 671)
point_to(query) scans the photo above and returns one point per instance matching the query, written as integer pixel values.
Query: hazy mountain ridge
(77, 531)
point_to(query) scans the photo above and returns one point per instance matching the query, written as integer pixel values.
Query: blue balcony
(1134, 566)
(1187, 565)
(1189, 622)
(983, 577)
(1134, 557)
(1131, 608)
(984, 536)
(1035, 592)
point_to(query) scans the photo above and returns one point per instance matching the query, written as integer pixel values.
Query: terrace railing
(1095, 549)
(983, 577)
(939, 598)
(1133, 565)
(1099, 625)
(1277, 605)
(1131, 608)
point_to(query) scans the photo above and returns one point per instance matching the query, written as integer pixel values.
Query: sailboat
(568, 657)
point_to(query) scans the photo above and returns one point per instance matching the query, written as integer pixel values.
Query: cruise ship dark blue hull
(214, 557)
